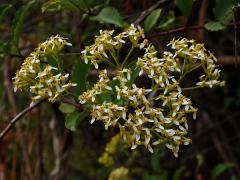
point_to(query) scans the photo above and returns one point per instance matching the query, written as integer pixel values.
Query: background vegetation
(41, 147)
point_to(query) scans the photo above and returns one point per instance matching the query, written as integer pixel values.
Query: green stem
(110, 64)
(69, 54)
(59, 62)
(192, 88)
(187, 72)
(183, 66)
(114, 57)
(128, 55)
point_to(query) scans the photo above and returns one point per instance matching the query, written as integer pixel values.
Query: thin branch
(69, 101)
(180, 29)
(14, 55)
(16, 118)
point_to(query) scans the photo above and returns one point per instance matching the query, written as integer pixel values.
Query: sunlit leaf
(79, 75)
(167, 22)
(109, 15)
(66, 108)
(214, 26)
(151, 20)
(73, 118)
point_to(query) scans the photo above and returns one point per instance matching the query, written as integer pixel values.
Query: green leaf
(220, 168)
(223, 10)
(18, 22)
(156, 158)
(5, 47)
(200, 161)
(79, 75)
(66, 108)
(151, 20)
(135, 72)
(80, 4)
(53, 5)
(73, 118)
(70, 5)
(185, 6)
(163, 175)
(109, 15)
(3, 10)
(155, 161)
(214, 26)
(167, 22)
(177, 174)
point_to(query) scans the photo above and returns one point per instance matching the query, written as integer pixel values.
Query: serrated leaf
(3, 9)
(66, 108)
(73, 118)
(151, 20)
(185, 6)
(79, 75)
(214, 26)
(18, 22)
(220, 168)
(109, 15)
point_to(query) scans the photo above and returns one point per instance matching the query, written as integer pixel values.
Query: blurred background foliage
(41, 147)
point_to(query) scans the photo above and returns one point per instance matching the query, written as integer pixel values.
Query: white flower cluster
(139, 122)
(196, 53)
(50, 86)
(158, 69)
(106, 45)
(40, 79)
(54, 44)
(99, 87)
(109, 113)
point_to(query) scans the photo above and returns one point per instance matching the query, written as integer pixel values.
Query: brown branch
(201, 19)
(69, 101)
(180, 29)
(16, 118)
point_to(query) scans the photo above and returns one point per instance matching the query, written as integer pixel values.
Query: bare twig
(180, 29)
(16, 118)
(69, 101)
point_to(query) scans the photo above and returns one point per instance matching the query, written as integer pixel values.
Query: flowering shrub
(131, 108)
